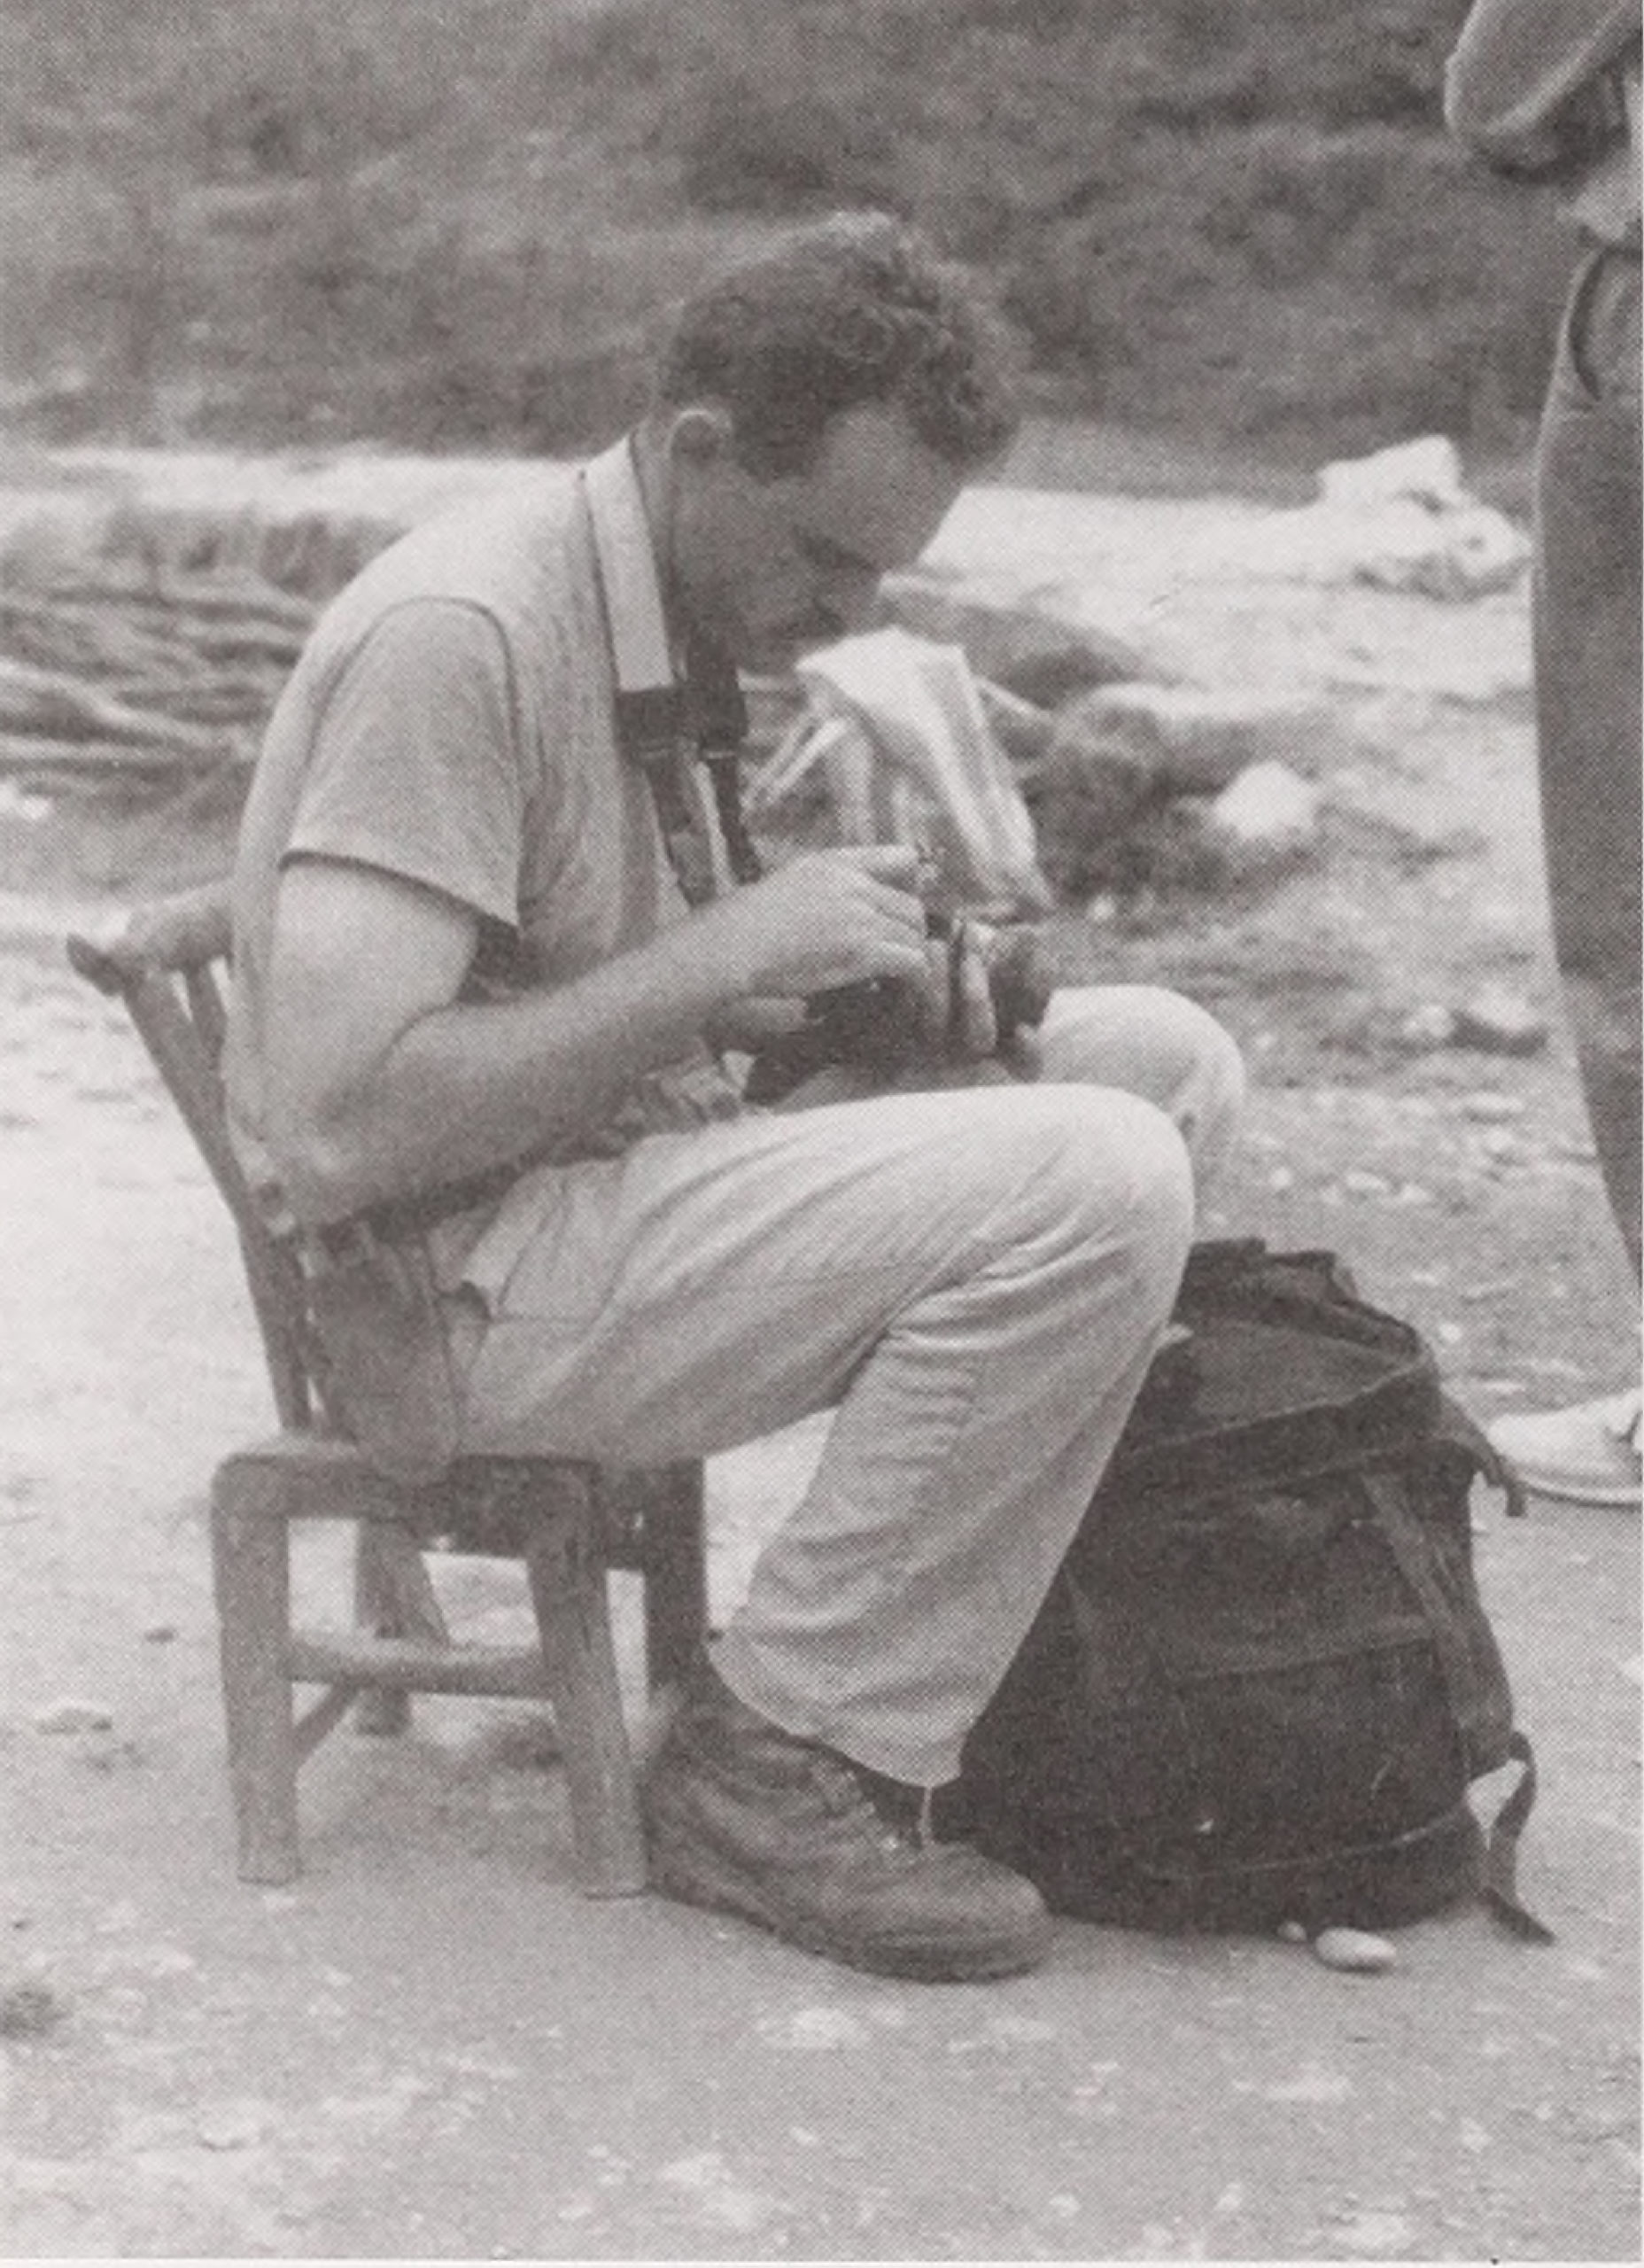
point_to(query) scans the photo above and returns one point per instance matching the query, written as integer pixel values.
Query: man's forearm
(1517, 66)
(469, 1087)
(381, 1081)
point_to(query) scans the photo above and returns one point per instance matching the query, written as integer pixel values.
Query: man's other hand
(828, 918)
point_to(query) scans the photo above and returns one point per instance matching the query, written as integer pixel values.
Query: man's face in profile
(772, 567)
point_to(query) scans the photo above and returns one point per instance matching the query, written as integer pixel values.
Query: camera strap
(682, 727)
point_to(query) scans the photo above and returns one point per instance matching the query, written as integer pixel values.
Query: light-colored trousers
(974, 1280)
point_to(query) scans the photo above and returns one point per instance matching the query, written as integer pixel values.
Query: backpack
(1263, 1681)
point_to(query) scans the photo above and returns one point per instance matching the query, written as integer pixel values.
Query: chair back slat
(162, 967)
(206, 1012)
(272, 1278)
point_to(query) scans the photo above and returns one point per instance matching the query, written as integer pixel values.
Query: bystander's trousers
(1587, 603)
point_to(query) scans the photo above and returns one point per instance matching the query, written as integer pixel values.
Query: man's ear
(701, 435)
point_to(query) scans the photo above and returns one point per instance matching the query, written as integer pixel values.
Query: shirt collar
(655, 709)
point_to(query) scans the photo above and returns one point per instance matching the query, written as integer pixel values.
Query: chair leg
(564, 1557)
(676, 1574)
(388, 1602)
(251, 1558)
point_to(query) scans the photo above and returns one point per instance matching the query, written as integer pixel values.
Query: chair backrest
(163, 963)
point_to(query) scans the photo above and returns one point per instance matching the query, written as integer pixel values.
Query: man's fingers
(888, 862)
(899, 906)
(977, 1028)
(909, 961)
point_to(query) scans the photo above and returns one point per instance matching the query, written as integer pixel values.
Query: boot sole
(726, 1891)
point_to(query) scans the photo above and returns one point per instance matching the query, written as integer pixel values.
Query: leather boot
(749, 1820)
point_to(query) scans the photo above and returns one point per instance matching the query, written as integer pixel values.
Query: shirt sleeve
(416, 765)
(1519, 65)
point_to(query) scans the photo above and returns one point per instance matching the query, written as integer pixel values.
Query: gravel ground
(430, 2046)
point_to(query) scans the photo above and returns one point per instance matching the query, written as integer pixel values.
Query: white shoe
(1588, 1454)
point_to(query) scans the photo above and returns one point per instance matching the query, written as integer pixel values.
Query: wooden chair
(568, 1521)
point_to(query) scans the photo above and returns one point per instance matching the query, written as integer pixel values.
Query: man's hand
(828, 918)
(973, 1025)
(946, 1014)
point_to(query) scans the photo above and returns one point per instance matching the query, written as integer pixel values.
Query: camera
(884, 1028)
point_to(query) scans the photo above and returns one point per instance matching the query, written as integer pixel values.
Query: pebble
(1356, 1950)
(1268, 805)
(28, 2009)
(1374, 2233)
(232, 2127)
(1432, 1025)
(814, 2030)
(1485, 1107)
(1500, 1022)
(70, 1715)
(1293, 1933)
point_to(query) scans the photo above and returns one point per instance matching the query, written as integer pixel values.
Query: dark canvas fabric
(1263, 1681)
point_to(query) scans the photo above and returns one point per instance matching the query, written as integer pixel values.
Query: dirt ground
(432, 2045)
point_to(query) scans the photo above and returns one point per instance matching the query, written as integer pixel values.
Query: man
(1548, 89)
(475, 1009)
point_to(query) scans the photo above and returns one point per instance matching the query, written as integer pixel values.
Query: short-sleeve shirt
(452, 720)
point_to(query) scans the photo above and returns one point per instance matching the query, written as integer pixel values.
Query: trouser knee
(1153, 1042)
(1212, 1090)
(1127, 1178)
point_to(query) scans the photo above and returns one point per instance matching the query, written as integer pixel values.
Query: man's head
(818, 409)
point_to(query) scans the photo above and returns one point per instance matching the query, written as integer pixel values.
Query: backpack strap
(1458, 1428)
(1498, 1888)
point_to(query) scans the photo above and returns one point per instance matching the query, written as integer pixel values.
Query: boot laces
(900, 1816)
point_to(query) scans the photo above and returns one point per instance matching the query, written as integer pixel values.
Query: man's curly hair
(851, 311)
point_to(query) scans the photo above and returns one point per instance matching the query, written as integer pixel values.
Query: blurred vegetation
(450, 223)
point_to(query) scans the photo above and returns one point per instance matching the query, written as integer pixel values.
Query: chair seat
(480, 1506)
(327, 1477)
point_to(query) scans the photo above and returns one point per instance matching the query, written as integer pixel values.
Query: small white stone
(1374, 2233)
(814, 2030)
(1268, 806)
(1293, 1933)
(1485, 1107)
(1356, 1950)
(1500, 1022)
(73, 1715)
(1432, 1025)
(232, 2127)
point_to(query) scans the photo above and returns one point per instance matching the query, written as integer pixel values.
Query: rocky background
(446, 223)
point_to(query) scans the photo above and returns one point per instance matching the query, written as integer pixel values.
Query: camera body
(883, 1029)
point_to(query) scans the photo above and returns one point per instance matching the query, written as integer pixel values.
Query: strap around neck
(656, 719)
